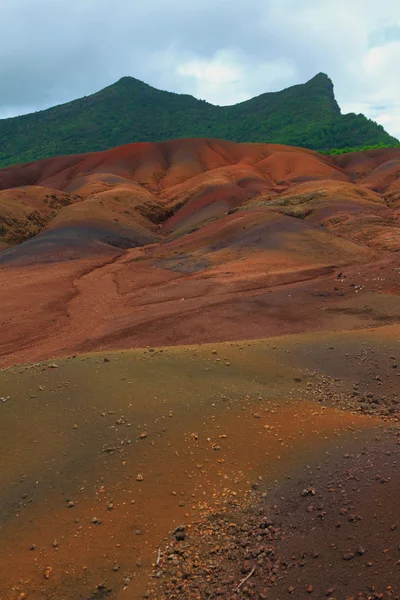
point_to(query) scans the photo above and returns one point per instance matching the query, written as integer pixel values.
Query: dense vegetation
(346, 150)
(304, 115)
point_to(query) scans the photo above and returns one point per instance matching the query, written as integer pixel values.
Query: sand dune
(145, 233)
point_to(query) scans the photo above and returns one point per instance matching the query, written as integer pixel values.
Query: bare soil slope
(192, 241)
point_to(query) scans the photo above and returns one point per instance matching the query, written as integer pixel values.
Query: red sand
(299, 220)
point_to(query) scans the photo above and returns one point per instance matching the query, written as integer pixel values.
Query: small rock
(329, 592)
(139, 477)
(180, 535)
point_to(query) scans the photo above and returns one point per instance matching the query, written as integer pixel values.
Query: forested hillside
(304, 115)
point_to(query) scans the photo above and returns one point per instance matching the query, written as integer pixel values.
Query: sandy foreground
(104, 455)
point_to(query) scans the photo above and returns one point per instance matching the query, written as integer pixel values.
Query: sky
(222, 51)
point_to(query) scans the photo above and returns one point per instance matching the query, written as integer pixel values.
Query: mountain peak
(129, 79)
(320, 78)
(131, 110)
(322, 82)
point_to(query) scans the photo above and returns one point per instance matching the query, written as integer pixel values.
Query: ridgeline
(305, 115)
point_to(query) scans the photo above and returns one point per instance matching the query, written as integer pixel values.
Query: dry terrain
(200, 393)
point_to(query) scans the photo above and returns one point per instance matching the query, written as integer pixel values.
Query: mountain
(305, 115)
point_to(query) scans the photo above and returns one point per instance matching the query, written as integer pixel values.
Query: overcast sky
(223, 51)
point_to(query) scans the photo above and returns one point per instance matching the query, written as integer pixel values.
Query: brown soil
(160, 260)
(127, 301)
(330, 531)
(217, 419)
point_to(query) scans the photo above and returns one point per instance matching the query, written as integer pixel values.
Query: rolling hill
(305, 115)
(199, 374)
(224, 232)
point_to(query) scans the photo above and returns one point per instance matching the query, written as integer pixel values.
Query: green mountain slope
(303, 115)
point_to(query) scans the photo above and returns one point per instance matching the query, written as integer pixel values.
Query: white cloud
(218, 79)
(226, 78)
(375, 87)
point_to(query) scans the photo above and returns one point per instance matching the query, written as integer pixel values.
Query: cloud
(53, 51)
(227, 78)
(374, 88)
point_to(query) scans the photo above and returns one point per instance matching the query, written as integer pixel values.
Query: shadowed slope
(25, 211)
(121, 195)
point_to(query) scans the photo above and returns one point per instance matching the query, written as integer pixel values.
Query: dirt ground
(48, 311)
(104, 455)
(199, 384)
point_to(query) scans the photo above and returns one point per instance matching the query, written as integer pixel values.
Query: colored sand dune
(199, 394)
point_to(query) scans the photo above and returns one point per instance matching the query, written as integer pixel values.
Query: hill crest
(305, 115)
